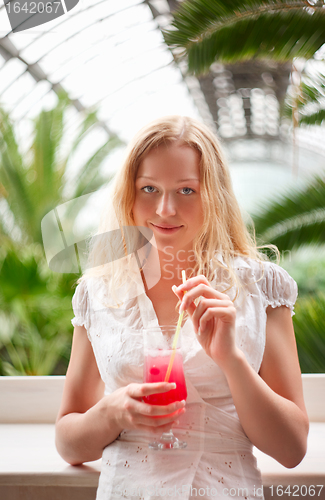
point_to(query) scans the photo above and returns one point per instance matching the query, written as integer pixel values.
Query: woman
(240, 358)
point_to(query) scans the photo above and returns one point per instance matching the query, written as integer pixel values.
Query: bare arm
(88, 421)
(80, 433)
(270, 404)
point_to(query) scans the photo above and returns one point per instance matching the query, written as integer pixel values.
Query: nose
(166, 206)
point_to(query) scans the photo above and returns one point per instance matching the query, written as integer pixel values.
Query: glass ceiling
(105, 54)
(110, 55)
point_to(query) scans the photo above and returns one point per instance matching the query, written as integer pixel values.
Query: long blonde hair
(223, 232)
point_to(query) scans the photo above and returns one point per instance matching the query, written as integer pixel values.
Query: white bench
(31, 468)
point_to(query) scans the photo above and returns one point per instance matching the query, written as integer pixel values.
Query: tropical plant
(205, 31)
(307, 267)
(310, 333)
(35, 303)
(295, 219)
(305, 101)
(35, 313)
(33, 182)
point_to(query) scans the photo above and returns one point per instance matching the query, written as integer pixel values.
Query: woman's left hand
(213, 318)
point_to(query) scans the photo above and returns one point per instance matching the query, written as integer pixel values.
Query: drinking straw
(178, 329)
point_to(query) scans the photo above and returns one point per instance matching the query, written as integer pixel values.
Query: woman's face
(168, 199)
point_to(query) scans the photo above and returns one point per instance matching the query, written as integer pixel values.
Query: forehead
(171, 160)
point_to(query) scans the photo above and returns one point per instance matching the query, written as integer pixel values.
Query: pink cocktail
(158, 353)
(155, 371)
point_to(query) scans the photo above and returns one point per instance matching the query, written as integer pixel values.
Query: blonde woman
(240, 358)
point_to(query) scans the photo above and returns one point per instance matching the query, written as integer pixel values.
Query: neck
(166, 266)
(172, 264)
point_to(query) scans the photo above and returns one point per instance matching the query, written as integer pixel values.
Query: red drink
(158, 351)
(155, 371)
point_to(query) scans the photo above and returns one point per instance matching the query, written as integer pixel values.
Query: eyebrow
(180, 180)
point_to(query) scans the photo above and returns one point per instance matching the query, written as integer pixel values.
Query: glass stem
(168, 437)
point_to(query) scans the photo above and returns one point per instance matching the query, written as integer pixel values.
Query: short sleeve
(80, 305)
(278, 288)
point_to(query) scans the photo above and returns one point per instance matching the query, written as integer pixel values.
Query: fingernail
(173, 385)
(174, 288)
(198, 332)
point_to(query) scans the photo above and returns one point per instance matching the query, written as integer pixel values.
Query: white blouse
(218, 460)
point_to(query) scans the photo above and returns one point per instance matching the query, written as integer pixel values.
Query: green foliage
(297, 221)
(33, 183)
(35, 305)
(227, 31)
(307, 99)
(294, 219)
(307, 267)
(310, 333)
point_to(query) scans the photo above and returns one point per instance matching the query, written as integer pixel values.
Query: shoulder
(80, 305)
(80, 296)
(276, 286)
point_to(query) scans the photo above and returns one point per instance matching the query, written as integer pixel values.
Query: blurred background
(74, 91)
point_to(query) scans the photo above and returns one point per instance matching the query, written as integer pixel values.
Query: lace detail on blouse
(278, 288)
(80, 305)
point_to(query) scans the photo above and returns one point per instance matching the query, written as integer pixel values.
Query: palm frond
(33, 189)
(89, 177)
(294, 220)
(206, 31)
(87, 124)
(48, 135)
(13, 178)
(308, 99)
(313, 119)
(8, 139)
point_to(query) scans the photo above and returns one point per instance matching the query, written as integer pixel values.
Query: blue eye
(192, 190)
(146, 187)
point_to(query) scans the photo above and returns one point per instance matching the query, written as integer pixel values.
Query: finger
(195, 282)
(146, 389)
(201, 308)
(192, 282)
(177, 293)
(159, 410)
(160, 428)
(225, 314)
(180, 296)
(158, 421)
(205, 291)
(150, 418)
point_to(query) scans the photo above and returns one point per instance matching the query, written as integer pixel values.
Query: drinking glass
(158, 352)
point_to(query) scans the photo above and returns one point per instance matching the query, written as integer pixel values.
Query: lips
(166, 227)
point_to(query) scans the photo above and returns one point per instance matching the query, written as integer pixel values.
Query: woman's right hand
(130, 412)
(88, 421)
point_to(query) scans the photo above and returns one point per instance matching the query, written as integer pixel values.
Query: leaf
(89, 177)
(308, 99)
(34, 188)
(206, 31)
(294, 220)
(313, 119)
